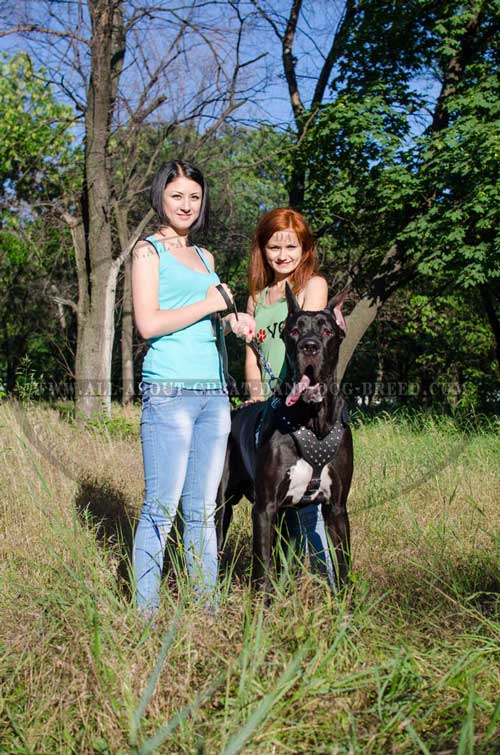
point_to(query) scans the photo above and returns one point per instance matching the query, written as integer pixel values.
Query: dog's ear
(293, 304)
(335, 305)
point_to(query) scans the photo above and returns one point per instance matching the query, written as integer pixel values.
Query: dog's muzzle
(309, 348)
(306, 388)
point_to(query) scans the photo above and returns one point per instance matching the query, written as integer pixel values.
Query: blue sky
(271, 102)
(188, 72)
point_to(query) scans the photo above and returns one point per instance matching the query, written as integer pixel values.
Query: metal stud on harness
(318, 453)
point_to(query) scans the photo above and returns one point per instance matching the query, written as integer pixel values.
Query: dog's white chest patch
(300, 476)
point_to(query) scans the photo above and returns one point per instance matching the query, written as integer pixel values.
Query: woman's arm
(253, 375)
(151, 321)
(315, 294)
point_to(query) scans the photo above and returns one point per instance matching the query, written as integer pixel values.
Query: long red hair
(260, 273)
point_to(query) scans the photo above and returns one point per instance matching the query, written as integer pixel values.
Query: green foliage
(374, 179)
(461, 231)
(114, 426)
(428, 348)
(29, 385)
(245, 171)
(38, 173)
(37, 146)
(358, 186)
(35, 268)
(392, 159)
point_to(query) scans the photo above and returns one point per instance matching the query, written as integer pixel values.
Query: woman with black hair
(185, 407)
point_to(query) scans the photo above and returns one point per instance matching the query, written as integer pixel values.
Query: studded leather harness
(315, 451)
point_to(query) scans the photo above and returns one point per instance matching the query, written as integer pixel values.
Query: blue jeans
(184, 436)
(306, 527)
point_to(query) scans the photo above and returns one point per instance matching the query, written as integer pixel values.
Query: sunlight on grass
(404, 661)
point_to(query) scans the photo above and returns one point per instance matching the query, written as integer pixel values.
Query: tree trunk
(493, 319)
(127, 337)
(127, 324)
(98, 271)
(357, 323)
(95, 345)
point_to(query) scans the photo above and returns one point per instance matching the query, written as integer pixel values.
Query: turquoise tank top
(269, 322)
(186, 358)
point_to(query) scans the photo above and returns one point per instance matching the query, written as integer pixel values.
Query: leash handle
(221, 341)
(229, 304)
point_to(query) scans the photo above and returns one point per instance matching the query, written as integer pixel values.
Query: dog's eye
(326, 332)
(294, 332)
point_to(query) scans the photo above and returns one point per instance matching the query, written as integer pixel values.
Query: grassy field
(407, 661)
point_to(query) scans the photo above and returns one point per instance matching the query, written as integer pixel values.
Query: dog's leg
(223, 510)
(263, 537)
(335, 510)
(337, 523)
(232, 488)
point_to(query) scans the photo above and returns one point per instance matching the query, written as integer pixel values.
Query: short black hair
(167, 173)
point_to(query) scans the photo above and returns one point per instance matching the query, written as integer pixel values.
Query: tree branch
(289, 61)
(78, 236)
(66, 303)
(41, 30)
(268, 18)
(333, 54)
(134, 238)
(455, 69)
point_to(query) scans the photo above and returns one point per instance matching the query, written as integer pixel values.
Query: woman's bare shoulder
(252, 303)
(316, 283)
(315, 293)
(144, 250)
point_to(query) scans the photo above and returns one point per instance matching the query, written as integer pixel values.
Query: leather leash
(273, 379)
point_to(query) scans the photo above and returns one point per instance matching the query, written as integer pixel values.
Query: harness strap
(318, 453)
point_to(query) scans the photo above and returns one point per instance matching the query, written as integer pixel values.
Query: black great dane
(304, 450)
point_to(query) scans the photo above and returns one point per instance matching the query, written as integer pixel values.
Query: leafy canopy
(37, 145)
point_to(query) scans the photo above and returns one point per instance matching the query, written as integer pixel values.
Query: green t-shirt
(269, 322)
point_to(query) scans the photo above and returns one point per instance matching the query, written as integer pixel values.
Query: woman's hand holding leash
(219, 297)
(241, 323)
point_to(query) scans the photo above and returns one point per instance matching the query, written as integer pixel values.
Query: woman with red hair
(284, 251)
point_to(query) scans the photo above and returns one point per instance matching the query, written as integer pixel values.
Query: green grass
(405, 661)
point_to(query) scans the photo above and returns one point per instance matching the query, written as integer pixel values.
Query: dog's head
(312, 341)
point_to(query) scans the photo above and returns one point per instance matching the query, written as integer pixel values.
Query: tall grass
(405, 661)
